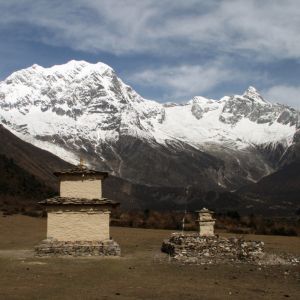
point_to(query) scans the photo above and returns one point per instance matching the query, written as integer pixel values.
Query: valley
(141, 272)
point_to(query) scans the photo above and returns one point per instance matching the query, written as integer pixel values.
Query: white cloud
(261, 30)
(287, 94)
(269, 28)
(185, 81)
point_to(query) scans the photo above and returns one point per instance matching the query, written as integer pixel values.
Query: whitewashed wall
(85, 188)
(78, 225)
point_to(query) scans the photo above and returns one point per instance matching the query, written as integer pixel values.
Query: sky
(167, 50)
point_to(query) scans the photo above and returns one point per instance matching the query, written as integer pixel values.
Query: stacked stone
(78, 248)
(193, 248)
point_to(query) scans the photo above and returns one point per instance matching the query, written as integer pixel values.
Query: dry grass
(138, 274)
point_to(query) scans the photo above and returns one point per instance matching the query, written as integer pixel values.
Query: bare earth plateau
(142, 272)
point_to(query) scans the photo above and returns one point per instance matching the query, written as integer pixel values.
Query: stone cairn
(193, 248)
(78, 248)
(207, 248)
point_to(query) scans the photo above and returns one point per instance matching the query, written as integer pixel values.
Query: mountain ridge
(82, 109)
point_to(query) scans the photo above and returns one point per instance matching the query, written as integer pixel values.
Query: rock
(53, 247)
(191, 248)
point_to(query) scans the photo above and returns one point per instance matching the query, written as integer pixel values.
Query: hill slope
(17, 183)
(280, 189)
(33, 160)
(284, 184)
(25, 173)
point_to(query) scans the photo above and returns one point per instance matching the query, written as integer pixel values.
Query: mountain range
(82, 109)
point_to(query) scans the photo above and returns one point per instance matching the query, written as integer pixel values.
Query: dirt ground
(141, 273)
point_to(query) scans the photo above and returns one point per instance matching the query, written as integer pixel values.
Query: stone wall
(192, 248)
(87, 187)
(75, 225)
(78, 248)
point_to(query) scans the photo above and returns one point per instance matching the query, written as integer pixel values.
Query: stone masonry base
(192, 248)
(77, 248)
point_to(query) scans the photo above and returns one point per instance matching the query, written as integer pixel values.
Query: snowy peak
(73, 97)
(89, 100)
(69, 71)
(37, 85)
(253, 106)
(73, 67)
(252, 94)
(200, 106)
(77, 83)
(86, 109)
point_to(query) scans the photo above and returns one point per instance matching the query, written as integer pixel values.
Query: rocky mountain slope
(85, 109)
(37, 162)
(25, 173)
(26, 176)
(17, 185)
(280, 189)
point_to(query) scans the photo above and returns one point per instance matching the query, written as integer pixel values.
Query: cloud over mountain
(254, 39)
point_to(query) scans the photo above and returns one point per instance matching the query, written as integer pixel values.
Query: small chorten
(78, 219)
(206, 222)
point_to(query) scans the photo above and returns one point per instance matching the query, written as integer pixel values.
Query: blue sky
(168, 50)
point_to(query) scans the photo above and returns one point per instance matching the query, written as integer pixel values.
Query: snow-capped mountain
(85, 109)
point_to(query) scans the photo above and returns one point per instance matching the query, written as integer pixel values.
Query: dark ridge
(35, 161)
(283, 184)
(17, 182)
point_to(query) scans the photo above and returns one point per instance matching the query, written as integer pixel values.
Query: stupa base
(52, 247)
